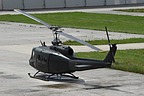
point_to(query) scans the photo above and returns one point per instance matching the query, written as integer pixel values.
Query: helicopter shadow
(68, 82)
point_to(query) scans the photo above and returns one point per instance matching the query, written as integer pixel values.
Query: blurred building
(43, 4)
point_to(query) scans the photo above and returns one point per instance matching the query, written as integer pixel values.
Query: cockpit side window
(41, 59)
(44, 59)
(38, 57)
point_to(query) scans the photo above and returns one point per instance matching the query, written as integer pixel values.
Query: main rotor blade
(64, 34)
(78, 40)
(32, 17)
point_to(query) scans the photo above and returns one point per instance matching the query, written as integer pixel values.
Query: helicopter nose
(31, 62)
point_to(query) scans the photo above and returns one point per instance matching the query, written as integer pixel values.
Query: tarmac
(16, 42)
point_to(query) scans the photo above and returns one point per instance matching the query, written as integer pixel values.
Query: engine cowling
(65, 50)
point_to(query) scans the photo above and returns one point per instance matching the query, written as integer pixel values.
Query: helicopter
(59, 59)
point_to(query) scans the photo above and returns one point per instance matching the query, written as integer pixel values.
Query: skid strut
(34, 74)
(47, 77)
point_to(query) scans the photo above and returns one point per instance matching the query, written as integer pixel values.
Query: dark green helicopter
(59, 59)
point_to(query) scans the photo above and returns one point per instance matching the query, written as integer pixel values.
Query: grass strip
(139, 10)
(93, 21)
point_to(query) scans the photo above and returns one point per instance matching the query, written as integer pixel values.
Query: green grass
(118, 23)
(126, 60)
(101, 42)
(140, 10)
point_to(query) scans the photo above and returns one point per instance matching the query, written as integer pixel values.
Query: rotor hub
(56, 40)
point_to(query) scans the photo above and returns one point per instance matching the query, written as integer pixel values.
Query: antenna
(42, 43)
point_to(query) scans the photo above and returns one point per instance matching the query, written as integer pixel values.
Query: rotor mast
(56, 40)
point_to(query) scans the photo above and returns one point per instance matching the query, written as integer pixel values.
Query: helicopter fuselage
(60, 59)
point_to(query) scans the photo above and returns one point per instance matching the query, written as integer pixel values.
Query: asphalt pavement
(16, 42)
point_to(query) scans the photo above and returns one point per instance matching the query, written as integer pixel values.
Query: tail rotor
(113, 48)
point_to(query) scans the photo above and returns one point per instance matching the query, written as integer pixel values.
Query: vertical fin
(111, 54)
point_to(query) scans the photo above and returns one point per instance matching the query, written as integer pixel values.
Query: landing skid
(50, 76)
(71, 76)
(34, 74)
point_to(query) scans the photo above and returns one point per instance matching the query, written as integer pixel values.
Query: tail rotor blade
(78, 40)
(32, 17)
(107, 35)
